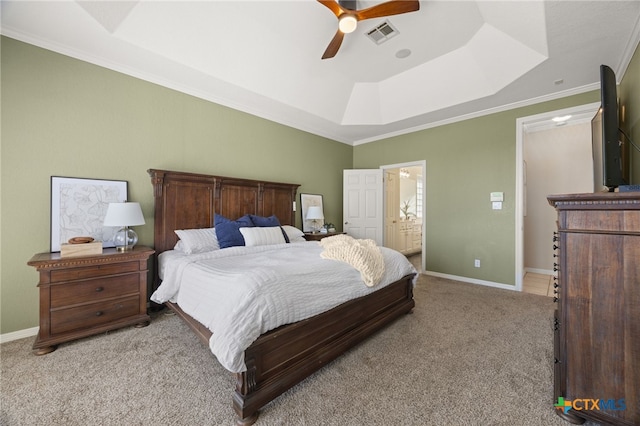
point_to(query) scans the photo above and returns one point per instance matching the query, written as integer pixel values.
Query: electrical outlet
(476, 263)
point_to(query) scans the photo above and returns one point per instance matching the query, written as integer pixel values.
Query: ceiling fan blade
(334, 45)
(333, 6)
(393, 7)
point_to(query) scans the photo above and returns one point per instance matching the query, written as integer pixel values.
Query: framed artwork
(306, 201)
(78, 208)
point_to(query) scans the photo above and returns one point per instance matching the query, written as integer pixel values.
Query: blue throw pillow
(244, 220)
(218, 219)
(264, 221)
(228, 231)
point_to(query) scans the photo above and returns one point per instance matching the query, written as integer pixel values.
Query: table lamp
(314, 213)
(124, 215)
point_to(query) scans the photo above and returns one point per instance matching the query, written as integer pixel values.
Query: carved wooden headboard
(190, 200)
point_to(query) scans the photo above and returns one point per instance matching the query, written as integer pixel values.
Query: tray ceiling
(467, 58)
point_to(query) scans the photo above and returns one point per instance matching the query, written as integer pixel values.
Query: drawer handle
(99, 289)
(99, 313)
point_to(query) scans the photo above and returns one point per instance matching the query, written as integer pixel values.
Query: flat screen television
(610, 152)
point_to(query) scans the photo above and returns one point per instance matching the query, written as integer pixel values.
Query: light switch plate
(497, 196)
(496, 205)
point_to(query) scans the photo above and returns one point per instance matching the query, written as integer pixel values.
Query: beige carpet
(468, 355)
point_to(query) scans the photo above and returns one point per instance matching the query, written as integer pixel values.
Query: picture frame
(78, 208)
(306, 201)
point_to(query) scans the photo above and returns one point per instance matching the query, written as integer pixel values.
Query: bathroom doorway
(404, 210)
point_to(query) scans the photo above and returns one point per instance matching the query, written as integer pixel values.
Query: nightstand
(86, 295)
(318, 236)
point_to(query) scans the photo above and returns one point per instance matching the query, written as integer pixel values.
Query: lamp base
(125, 239)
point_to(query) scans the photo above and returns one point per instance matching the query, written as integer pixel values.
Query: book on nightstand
(85, 249)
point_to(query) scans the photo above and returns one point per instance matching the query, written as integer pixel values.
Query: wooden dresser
(86, 295)
(597, 321)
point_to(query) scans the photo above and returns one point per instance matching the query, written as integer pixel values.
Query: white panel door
(363, 204)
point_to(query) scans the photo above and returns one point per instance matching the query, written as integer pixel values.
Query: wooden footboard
(278, 360)
(283, 357)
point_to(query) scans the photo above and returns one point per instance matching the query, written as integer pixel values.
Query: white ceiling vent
(382, 32)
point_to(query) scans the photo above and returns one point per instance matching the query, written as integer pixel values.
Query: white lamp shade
(315, 213)
(124, 214)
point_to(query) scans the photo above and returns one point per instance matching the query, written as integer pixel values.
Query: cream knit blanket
(364, 255)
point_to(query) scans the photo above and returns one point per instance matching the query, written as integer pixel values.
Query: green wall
(468, 160)
(65, 117)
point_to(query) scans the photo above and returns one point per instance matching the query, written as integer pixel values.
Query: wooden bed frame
(283, 357)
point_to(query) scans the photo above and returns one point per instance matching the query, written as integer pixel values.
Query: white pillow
(293, 233)
(262, 236)
(198, 240)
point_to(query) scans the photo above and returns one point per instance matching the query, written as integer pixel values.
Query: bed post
(157, 181)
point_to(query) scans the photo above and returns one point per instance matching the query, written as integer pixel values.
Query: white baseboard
(539, 271)
(472, 280)
(20, 334)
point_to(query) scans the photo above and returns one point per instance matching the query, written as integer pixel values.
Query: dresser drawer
(94, 290)
(87, 316)
(600, 220)
(93, 271)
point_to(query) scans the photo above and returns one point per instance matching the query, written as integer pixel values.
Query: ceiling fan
(348, 17)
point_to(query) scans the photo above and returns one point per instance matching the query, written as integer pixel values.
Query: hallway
(538, 284)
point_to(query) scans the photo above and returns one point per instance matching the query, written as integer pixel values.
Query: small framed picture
(306, 201)
(78, 208)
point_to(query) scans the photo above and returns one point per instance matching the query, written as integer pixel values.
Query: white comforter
(240, 293)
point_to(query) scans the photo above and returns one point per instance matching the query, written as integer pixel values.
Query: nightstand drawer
(94, 290)
(94, 314)
(93, 271)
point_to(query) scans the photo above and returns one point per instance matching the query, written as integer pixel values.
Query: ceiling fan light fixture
(347, 23)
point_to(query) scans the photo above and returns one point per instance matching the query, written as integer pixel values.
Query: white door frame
(521, 127)
(422, 164)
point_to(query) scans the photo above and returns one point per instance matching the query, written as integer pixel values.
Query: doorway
(404, 202)
(527, 178)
